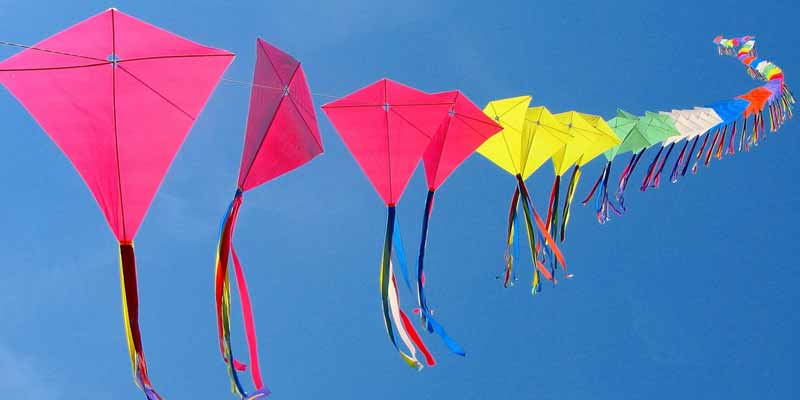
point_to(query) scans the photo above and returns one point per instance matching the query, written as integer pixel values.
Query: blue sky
(692, 293)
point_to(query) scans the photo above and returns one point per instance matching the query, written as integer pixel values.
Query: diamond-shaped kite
(281, 135)
(118, 96)
(465, 128)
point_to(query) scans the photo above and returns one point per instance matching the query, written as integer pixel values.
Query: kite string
(253, 84)
(24, 46)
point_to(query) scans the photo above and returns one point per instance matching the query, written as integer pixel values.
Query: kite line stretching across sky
(118, 96)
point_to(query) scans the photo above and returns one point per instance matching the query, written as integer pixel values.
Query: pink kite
(118, 96)
(281, 135)
(464, 130)
(387, 126)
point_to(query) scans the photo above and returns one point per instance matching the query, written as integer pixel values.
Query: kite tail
(673, 176)
(689, 156)
(423, 304)
(594, 188)
(603, 203)
(130, 309)
(700, 152)
(731, 141)
(393, 316)
(657, 176)
(225, 252)
(424, 312)
(651, 169)
(573, 182)
(512, 242)
(552, 207)
(625, 177)
(711, 147)
(722, 140)
(549, 246)
(744, 132)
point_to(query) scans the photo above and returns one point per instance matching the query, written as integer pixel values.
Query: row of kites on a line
(118, 96)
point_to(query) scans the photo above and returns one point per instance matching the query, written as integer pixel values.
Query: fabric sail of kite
(387, 127)
(512, 149)
(464, 129)
(281, 135)
(118, 96)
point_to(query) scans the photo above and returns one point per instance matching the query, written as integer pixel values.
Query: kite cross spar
(117, 96)
(281, 135)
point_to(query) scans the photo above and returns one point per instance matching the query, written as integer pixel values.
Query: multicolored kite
(118, 96)
(281, 135)
(387, 127)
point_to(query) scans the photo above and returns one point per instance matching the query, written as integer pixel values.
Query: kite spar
(117, 96)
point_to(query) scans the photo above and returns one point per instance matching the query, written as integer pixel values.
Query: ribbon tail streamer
(425, 313)
(573, 182)
(130, 309)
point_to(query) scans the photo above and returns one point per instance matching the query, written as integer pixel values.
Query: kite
(118, 96)
(464, 129)
(650, 130)
(387, 127)
(636, 134)
(281, 135)
(591, 136)
(512, 149)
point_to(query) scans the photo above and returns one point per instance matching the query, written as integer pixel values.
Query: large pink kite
(281, 135)
(118, 96)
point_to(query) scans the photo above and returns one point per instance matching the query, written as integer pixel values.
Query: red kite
(464, 130)
(118, 96)
(281, 135)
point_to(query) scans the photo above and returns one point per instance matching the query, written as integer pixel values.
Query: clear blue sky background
(691, 294)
